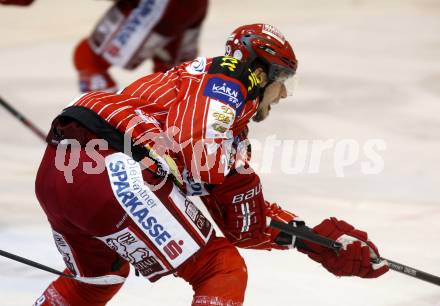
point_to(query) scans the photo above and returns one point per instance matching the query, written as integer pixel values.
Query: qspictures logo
(290, 156)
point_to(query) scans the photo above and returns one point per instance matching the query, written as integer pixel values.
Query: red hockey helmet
(266, 43)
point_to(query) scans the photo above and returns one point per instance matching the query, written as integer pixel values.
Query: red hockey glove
(242, 205)
(239, 209)
(353, 259)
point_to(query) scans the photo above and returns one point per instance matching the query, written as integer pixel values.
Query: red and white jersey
(133, 31)
(194, 113)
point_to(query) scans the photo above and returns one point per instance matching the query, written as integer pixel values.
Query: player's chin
(261, 115)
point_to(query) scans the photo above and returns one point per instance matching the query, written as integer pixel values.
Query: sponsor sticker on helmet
(273, 32)
(238, 54)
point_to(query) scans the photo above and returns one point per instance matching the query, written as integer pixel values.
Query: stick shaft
(407, 270)
(33, 263)
(22, 119)
(305, 233)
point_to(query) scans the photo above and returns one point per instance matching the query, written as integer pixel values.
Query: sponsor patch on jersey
(219, 120)
(230, 63)
(65, 250)
(151, 216)
(198, 66)
(130, 247)
(193, 188)
(40, 301)
(226, 91)
(192, 214)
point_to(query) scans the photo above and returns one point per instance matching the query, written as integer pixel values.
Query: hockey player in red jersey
(132, 31)
(137, 155)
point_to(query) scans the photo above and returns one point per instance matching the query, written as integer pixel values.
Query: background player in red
(127, 202)
(17, 2)
(132, 31)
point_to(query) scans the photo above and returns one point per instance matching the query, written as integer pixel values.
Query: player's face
(273, 93)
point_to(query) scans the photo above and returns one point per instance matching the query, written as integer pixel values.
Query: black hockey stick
(23, 120)
(33, 264)
(100, 280)
(306, 233)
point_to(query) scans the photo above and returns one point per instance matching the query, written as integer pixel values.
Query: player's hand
(354, 258)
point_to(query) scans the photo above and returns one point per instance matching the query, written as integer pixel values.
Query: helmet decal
(274, 32)
(238, 55)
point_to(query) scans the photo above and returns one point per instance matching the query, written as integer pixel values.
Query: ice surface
(367, 69)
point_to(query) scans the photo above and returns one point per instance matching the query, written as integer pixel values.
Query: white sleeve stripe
(123, 101)
(115, 112)
(246, 217)
(129, 116)
(158, 88)
(148, 82)
(100, 111)
(101, 280)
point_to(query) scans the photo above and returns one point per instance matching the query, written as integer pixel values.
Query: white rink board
(367, 69)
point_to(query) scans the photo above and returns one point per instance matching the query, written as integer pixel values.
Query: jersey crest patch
(226, 91)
